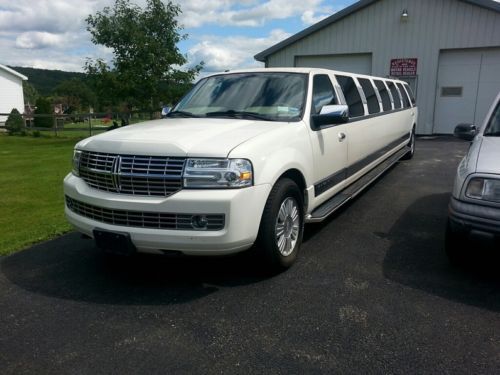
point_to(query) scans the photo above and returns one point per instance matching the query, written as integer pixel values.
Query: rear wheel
(411, 145)
(282, 225)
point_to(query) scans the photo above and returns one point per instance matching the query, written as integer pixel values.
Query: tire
(411, 144)
(283, 213)
(455, 246)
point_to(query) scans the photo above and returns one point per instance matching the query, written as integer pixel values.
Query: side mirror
(165, 111)
(330, 115)
(466, 132)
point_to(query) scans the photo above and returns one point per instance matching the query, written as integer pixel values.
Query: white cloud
(233, 52)
(54, 16)
(58, 28)
(248, 13)
(38, 39)
(309, 18)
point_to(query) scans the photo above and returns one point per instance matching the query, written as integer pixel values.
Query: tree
(30, 93)
(44, 107)
(75, 95)
(144, 44)
(14, 122)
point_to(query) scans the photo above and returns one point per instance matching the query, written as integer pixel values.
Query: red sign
(403, 67)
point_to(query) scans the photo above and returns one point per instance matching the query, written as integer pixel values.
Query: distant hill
(45, 80)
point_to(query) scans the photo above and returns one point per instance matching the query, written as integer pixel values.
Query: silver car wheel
(287, 226)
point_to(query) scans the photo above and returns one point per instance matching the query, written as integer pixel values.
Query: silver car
(474, 209)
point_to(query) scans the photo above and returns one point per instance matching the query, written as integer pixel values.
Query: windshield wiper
(239, 114)
(181, 114)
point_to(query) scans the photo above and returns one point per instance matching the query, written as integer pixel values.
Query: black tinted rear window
(371, 96)
(409, 91)
(395, 94)
(384, 95)
(351, 95)
(406, 101)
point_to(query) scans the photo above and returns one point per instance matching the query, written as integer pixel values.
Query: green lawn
(31, 194)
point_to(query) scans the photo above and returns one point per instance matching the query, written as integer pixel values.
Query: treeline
(45, 80)
(78, 92)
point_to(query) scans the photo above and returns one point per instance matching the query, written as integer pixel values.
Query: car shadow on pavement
(70, 267)
(416, 258)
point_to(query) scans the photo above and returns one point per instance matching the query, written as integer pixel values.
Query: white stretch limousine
(246, 157)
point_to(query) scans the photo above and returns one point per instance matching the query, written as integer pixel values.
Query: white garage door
(468, 81)
(357, 63)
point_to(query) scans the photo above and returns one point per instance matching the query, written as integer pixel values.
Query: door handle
(341, 137)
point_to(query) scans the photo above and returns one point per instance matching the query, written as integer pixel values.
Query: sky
(225, 34)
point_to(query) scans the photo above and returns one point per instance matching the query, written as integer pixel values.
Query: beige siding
(432, 25)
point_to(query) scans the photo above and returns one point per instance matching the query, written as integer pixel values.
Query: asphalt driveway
(371, 293)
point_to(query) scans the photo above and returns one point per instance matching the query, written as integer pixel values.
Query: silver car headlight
(483, 188)
(218, 173)
(77, 154)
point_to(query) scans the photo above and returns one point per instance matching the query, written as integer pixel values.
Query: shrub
(36, 134)
(43, 107)
(14, 122)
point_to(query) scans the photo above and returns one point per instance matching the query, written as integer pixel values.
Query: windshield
(260, 96)
(493, 127)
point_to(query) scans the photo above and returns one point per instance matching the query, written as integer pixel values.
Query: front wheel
(282, 225)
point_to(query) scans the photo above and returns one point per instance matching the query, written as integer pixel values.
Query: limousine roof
(303, 70)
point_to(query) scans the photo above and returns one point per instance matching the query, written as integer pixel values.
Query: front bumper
(242, 209)
(474, 219)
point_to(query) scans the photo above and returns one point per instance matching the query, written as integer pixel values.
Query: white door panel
(370, 137)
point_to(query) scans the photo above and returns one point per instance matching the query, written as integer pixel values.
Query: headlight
(218, 173)
(484, 189)
(77, 154)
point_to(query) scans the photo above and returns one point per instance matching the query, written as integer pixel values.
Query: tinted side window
(395, 95)
(323, 93)
(371, 97)
(406, 101)
(351, 95)
(382, 90)
(410, 93)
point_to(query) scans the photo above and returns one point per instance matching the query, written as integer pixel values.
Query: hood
(488, 160)
(195, 137)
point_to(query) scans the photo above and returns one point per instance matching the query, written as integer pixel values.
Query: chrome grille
(156, 220)
(132, 174)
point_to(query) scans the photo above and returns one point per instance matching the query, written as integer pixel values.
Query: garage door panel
(489, 84)
(468, 81)
(356, 63)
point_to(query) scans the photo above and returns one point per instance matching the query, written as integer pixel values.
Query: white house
(447, 50)
(11, 91)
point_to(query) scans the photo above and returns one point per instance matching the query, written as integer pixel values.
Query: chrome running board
(344, 196)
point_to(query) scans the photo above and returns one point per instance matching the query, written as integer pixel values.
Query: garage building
(11, 91)
(447, 50)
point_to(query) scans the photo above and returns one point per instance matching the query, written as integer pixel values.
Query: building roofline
(261, 56)
(13, 72)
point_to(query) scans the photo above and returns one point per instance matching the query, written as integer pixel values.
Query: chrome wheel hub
(287, 226)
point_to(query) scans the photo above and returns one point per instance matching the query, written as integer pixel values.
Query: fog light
(199, 222)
